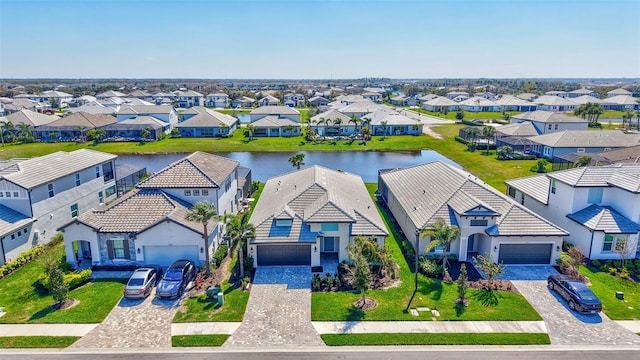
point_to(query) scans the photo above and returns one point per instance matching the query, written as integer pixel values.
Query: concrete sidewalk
(202, 328)
(46, 329)
(363, 327)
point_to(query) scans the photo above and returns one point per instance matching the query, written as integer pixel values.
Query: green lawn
(199, 309)
(436, 339)
(338, 306)
(37, 341)
(198, 340)
(468, 115)
(605, 287)
(24, 303)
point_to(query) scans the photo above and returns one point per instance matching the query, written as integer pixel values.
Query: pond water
(265, 165)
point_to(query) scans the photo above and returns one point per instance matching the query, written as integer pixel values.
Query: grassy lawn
(468, 115)
(198, 340)
(37, 341)
(436, 339)
(605, 287)
(24, 303)
(199, 309)
(338, 306)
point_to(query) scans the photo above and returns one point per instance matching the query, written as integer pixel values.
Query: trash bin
(212, 292)
(220, 299)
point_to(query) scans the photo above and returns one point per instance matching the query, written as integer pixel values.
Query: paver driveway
(567, 327)
(279, 310)
(134, 324)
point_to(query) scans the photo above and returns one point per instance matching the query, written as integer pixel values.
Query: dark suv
(176, 279)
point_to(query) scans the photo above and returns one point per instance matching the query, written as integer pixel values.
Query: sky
(319, 39)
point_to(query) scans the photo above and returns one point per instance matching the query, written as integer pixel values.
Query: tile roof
(198, 170)
(11, 220)
(274, 121)
(587, 139)
(547, 117)
(604, 218)
(30, 117)
(275, 110)
(553, 100)
(630, 154)
(536, 186)
(315, 194)
(333, 115)
(139, 210)
(44, 169)
(619, 91)
(90, 121)
(206, 118)
(518, 129)
(625, 176)
(435, 190)
(145, 109)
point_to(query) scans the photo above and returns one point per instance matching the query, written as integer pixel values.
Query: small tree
(504, 152)
(488, 267)
(95, 135)
(202, 212)
(442, 235)
(624, 248)
(583, 161)
(462, 284)
(541, 165)
(460, 114)
(250, 130)
(359, 275)
(59, 288)
(296, 160)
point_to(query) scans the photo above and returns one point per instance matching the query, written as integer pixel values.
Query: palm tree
(239, 230)
(472, 133)
(504, 152)
(338, 123)
(5, 126)
(355, 122)
(202, 212)
(366, 122)
(384, 127)
(626, 119)
(24, 132)
(442, 235)
(82, 130)
(488, 132)
(583, 161)
(251, 129)
(297, 160)
(289, 129)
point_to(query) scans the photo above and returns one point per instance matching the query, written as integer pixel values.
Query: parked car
(579, 296)
(141, 283)
(176, 279)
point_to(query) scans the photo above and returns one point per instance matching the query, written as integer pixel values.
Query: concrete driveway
(279, 310)
(567, 327)
(134, 324)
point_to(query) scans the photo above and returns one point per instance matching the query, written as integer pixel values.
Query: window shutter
(127, 254)
(110, 248)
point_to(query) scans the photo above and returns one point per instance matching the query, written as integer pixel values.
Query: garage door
(166, 255)
(525, 253)
(284, 255)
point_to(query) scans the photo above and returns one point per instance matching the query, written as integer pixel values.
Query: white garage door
(166, 255)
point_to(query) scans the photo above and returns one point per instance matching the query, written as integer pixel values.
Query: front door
(329, 244)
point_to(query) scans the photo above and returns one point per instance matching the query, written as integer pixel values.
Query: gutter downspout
(4, 259)
(591, 244)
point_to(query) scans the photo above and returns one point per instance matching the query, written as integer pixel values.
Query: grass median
(198, 340)
(436, 339)
(24, 342)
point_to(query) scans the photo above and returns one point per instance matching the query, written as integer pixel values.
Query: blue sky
(319, 39)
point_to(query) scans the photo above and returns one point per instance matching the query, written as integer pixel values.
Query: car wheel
(572, 305)
(550, 284)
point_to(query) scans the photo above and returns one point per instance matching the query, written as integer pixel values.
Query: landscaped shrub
(462, 140)
(219, 255)
(248, 264)
(73, 279)
(596, 263)
(430, 267)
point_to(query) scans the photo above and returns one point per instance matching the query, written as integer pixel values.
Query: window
(19, 232)
(107, 169)
(7, 194)
(97, 172)
(479, 222)
(284, 222)
(13, 236)
(553, 186)
(227, 184)
(522, 199)
(118, 249)
(512, 192)
(109, 191)
(555, 127)
(196, 192)
(595, 195)
(329, 227)
(206, 132)
(549, 126)
(74, 210)
(100, 197)
(187, 193)
(1, 194)
(50, 187)
(16, 194)
(205, 192)
(607, 245)
(77, 179)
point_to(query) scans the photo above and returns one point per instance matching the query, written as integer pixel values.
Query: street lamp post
(416, 264)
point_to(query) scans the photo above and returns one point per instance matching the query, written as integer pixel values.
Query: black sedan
(579, 296)
(176, 279)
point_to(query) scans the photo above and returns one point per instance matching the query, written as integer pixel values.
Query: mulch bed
(454, 271)
(67, 304)
(367, 304)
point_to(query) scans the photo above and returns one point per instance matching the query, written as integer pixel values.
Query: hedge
(73, 279)
(26, 257)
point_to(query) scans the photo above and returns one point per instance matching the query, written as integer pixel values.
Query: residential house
(583, 92)
(359, 109)
(581, 141)
(243, 102)
(277, 111)
(386, 121)
(141, 128)
(93, 108)
(162, 98)
(110, 94)
(294, 100)
(319, 102)
(623, 102)
(397, 100)
(486, 95)
(457, 94)
(489, 222)
(555, 103)
(148, 225)
(548, 121)
(164, 113)
(189, 98)
(558, 93)
(269, 100)
(332, 123)
(599, 205)
(31, 118)
(115, 103)
(373, 96)
(440, 104)
(57, 99)
(309, 216)
(527, 96)
(140, 94)
(72, 127)
(513, 103)
(199, 121)
(218, 100)
(38, 195)
(618, 92)
(478, 104)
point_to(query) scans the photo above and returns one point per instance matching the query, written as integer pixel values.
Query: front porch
(328, 262)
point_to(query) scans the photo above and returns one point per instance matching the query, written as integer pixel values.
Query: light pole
(417, 250)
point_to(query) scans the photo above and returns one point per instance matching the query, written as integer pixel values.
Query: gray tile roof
(90, 121)
(433, 190)
(625, 155)
(315, 194)
(206, 118)
(536, 186)
(145, 109)
(625, 176)
(138, 211)
(274, 121)
(547, 117)
(198, 170)
(333, 115)
(11, 220)
(518, 129)
(275, 110)
(604, 218)
(45, 169)
(30, 117)
(553, 100)
(587, 139)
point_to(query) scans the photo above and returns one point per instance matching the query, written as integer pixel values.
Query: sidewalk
(363, 327)
(202, 328)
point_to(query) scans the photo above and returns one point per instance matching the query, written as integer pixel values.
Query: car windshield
(586, 294)
(173, 275)
(135, 282)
